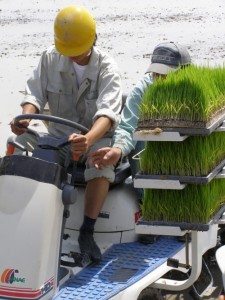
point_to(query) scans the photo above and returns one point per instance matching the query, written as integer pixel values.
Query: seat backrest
(124, 98)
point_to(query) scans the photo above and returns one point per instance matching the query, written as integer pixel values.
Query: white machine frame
(200, 241)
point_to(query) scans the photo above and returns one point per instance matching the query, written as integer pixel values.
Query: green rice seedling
(194, 94)
(195, 156)
(191, 97)
(194, 204)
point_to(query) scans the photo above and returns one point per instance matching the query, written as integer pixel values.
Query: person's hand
(222, 297)
(17, 129)
(79, 144)
(105, 157)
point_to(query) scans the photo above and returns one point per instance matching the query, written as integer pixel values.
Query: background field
(128, 30)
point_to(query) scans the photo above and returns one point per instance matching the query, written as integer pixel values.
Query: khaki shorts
(91, 172)
(30, 143)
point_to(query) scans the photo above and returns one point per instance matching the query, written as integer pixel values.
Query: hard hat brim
(70, 51)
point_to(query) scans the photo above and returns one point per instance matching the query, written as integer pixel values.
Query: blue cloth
(123, 135)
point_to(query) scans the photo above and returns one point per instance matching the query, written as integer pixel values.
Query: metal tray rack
(152, 181)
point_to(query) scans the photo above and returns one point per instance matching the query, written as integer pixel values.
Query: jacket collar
(65, 65)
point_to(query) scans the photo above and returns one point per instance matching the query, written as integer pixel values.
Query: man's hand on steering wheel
(20, 127)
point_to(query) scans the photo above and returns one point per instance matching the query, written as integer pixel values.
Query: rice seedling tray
(147, 135)
(183, 127)
(141, 180)
(158, 227)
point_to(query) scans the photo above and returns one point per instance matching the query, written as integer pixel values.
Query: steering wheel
(49, 118)
(56, 142)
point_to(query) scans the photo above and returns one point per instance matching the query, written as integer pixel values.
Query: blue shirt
(123, 135)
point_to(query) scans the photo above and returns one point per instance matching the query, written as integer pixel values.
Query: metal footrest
(122, 265)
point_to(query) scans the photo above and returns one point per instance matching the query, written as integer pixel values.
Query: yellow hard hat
(75, 30)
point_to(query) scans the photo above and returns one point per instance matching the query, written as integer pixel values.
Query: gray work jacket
(54, 82)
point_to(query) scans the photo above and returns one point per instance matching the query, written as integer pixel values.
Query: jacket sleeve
(123, 136)
(35, 91)
(109, 102)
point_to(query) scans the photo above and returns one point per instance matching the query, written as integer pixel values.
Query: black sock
(88, 224)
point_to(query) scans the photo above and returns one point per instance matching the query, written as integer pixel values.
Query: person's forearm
(29, 108)
(100, 127)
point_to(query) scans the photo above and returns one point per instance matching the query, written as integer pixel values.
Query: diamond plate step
(122, 265)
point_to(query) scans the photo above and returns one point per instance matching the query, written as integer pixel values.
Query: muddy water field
(128, 30)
